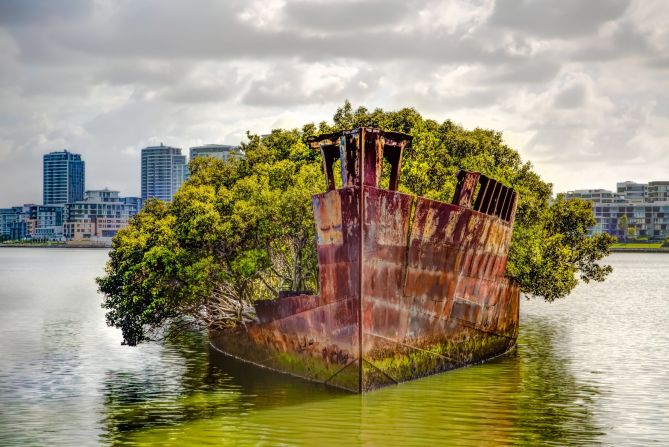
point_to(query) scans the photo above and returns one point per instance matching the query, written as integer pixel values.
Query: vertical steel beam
(464, 191)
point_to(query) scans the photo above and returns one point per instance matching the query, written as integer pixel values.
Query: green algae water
(592, 369)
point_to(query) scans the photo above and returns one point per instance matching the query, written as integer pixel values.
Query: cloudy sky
(580, 88)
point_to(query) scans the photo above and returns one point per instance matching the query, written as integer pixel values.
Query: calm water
(591, 369)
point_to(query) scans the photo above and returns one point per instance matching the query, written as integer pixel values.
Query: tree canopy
(243, 230)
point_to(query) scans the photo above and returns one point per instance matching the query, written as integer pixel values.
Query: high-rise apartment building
(221, 151)
(164, 169)
(63, 178)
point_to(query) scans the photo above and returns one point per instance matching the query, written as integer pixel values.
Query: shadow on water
(196, 395)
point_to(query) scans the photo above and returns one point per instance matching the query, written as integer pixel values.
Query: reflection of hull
(408, 287)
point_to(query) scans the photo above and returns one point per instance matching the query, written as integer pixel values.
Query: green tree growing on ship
(243, 230)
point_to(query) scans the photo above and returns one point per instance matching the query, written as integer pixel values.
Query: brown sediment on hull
(408, 286)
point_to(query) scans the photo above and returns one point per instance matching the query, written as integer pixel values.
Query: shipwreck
(408, 286)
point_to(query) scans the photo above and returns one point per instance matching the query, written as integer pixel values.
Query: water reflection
(527, 398)
(554, 407)
(197, 383)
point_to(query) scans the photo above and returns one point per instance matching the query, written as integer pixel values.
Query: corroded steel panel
(464, 192)
(407, 286)
(338, 235)
(385, 233)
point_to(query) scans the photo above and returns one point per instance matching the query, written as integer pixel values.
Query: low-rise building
(48, 224)
(8, 216)
(98, 217)
(18, 222)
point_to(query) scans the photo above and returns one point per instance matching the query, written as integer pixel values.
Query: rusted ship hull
(408, 286)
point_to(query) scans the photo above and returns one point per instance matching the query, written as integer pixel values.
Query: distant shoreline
(639, 247)
(640, 250)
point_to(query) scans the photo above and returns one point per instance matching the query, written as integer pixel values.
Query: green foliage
(549, 255)
(235, 232)
(243, 230)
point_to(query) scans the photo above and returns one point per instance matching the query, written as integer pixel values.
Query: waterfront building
(164, 169)
(48, 222)
(63, 178)
(220, 151)
(635, 210)
(658, 191)
(18, 231)
(596, 195)
(8, 216)
(16, 222)
(96, 218)
(649, 220)
(632, 191)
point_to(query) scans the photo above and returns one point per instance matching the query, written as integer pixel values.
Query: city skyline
(576, 87)
(231, 148)
(209, 150)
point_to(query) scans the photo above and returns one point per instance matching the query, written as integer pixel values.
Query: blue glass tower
(63, 178)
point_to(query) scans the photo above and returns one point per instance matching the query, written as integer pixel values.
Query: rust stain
(408, 286)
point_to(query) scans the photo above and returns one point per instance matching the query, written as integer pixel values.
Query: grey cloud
(662, 105)
(556, 18)
(177, 31)
(133, 121)
(475, 99)
(189, 94)
(444, 103)
(283, 87)
(239, 42)
(659, 62)
(570, 139)
(58, 82)
(572, 97)
(133, 72)
(531, 70)
(626, 40)
(18, 12)
(346, 15)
